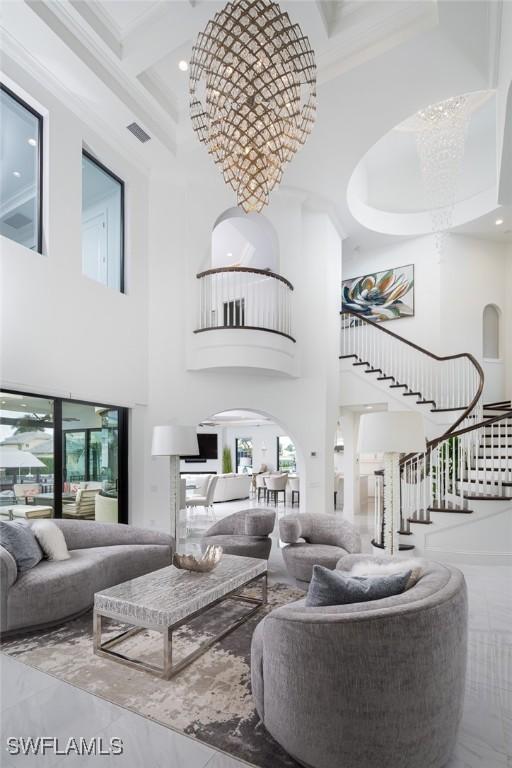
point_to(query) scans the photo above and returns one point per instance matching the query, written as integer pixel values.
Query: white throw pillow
(51, 540)
(370, 568)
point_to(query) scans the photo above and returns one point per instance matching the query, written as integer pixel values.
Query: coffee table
(168, 598)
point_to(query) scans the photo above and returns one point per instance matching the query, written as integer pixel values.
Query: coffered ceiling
(378, 61)
(135, 45)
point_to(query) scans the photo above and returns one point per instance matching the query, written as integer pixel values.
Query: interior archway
(236, 445)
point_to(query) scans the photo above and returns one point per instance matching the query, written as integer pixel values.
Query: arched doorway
(236, 445)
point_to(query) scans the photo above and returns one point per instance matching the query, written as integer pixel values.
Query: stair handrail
(472, 427)
(439, 358)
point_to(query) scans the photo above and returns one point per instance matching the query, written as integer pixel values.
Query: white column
(349, 430)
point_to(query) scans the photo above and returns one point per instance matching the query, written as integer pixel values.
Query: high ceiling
(378, 62)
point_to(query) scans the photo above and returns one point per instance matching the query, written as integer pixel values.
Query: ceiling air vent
(17, 220)
(138, 132)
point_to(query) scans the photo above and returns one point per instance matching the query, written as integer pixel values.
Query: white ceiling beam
(177, 24)
(59, 20)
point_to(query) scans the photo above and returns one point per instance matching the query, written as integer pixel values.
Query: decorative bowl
(210, 558)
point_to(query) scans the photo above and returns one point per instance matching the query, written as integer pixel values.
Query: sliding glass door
(70, 456)
(26, 449)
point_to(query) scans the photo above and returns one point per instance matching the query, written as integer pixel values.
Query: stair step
(361, 362)
(346, 357)
(486, 497)
(402, 547)
(385, 378)
(405, 533)
(426, 402)
(446, 410)
(412, 394)
(421, 522)
(397, 386)
(374, 370)
(449, 506)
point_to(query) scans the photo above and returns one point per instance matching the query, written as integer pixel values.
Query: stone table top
(164, 597)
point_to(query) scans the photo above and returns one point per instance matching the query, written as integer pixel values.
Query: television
(207, 443)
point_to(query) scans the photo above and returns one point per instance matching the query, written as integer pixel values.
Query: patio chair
(84, 505)
(25, 492)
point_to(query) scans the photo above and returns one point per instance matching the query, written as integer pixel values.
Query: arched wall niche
(491, 322)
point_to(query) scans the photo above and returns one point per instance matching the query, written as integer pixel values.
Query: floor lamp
(391, 433)
(174, 441)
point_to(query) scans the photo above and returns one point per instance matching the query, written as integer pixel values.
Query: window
(491, 333)
(286, 455)
(51, 448)
(102, 224)
(21, 135)
(243, 455)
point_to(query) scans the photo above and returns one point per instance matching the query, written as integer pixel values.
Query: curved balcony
(247, 313)
(240, 297)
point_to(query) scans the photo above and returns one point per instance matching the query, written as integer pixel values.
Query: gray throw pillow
(334, 588)
(17, 538)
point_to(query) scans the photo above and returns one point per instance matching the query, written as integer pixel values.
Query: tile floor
(36, 704)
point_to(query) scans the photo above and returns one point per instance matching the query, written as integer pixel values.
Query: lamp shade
(391, 432)
(172, 440)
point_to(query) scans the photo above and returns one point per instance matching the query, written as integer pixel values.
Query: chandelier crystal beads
(252, 95)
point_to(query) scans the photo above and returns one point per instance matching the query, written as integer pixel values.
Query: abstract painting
(380, 296)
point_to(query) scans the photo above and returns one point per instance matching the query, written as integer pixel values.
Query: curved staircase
(465, 474)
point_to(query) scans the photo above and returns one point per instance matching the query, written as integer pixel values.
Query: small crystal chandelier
(440, 131)
(252, 95)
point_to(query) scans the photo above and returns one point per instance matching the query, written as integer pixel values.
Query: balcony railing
(240, 297)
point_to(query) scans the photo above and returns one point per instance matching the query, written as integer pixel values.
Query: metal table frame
(169, 669)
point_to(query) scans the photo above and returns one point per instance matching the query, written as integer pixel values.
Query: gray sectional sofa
(102, 555)
(367, 685)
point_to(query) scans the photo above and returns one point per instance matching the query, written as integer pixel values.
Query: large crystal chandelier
(440, 131)
(252, 95)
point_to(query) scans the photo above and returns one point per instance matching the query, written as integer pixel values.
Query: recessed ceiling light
(368, 407)
(229, 254)
(32, 142)
(498, 222)
(183, 65)
(17, 174)
(23, 405)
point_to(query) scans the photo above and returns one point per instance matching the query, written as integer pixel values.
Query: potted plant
(227, 461)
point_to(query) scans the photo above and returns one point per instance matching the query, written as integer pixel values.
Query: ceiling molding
(93, 14)
(495, 19)
(374, 29)
(119, 140)
(61, 18)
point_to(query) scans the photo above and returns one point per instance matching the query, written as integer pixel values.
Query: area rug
(210, 700)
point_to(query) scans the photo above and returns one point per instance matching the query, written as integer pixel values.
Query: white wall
(61, 333)
(451, 292)
(473, 274)
(305, 407)
(424, 327)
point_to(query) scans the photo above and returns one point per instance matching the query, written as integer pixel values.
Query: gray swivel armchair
(316, 539)
(369, 685)
(245, 533)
